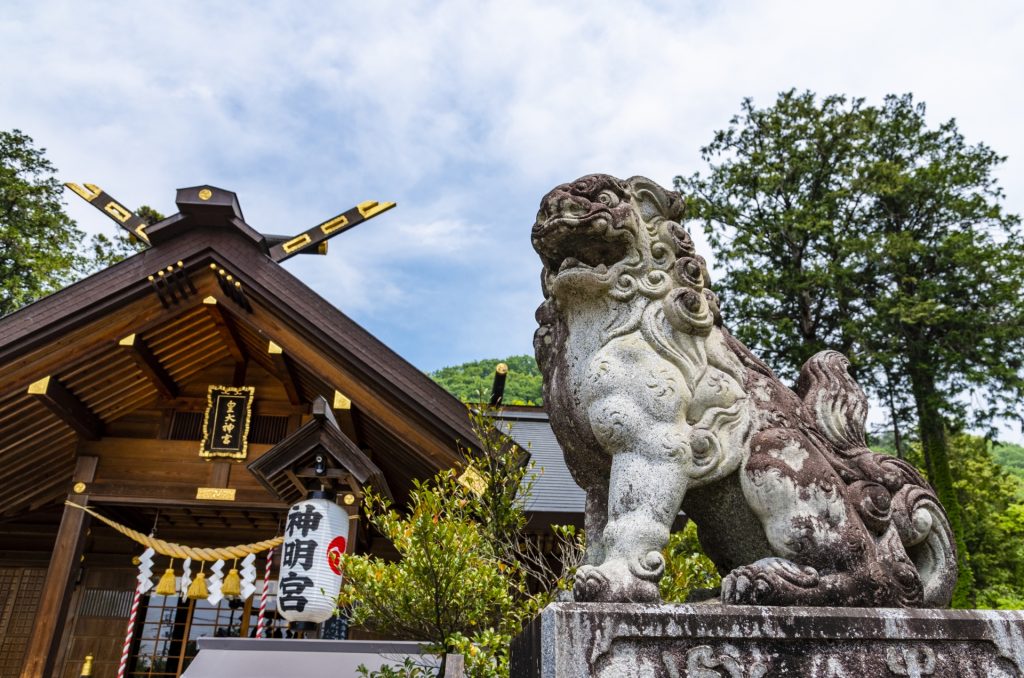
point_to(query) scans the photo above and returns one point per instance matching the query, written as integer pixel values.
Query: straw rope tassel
(261, 619)
(126, 648)
(232, 586)
(167, 586)
(198, 590)
(180, 551)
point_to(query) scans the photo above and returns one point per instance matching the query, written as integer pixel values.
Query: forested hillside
(1011, 457)
(471, 382)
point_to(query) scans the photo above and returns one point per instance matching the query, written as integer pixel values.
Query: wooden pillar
(41, 654)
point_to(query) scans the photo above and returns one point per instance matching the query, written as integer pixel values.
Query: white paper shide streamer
(315, 536)
(214, 582)
(186, 576)
(146, 571)
(248, 576)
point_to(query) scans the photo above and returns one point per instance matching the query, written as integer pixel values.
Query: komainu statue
(658, 408)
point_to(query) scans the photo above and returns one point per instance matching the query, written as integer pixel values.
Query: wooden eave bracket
(67, 407)
(135, 347)
(225, 329)
(284, 372)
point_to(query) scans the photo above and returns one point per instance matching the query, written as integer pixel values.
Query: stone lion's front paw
(770, 581)
(591, 585)
(613, 582)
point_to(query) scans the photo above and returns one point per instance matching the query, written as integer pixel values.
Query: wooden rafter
(284, 372)
(57, 398)
(135, 347)
(225, 329)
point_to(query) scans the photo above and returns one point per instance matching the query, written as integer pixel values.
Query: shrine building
(192, 393)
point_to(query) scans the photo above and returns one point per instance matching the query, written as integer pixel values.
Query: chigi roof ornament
(210, 206)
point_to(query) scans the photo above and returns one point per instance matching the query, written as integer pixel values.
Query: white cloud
(463, 112)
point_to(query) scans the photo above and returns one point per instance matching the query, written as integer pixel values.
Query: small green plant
(687, 569)
(468, 576)
(408, 669)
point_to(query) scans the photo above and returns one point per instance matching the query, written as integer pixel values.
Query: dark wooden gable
(288, 469)
(203, 300)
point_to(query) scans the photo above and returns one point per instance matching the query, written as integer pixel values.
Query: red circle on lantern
(335, 551)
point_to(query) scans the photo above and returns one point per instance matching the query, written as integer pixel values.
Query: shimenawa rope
(166, 548)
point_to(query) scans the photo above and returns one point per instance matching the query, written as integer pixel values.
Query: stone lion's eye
(608, 198)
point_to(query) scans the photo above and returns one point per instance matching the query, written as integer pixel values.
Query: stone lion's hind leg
(769, 581)
(821, 547)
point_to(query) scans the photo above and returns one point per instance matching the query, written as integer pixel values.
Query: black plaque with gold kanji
(226, 424)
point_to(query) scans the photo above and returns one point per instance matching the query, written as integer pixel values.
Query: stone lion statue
(658, 408)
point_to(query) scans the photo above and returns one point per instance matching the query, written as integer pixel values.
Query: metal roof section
(554, 491)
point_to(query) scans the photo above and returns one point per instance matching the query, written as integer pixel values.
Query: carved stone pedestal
(572, 640)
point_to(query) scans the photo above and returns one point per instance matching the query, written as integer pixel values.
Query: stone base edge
(574, 640)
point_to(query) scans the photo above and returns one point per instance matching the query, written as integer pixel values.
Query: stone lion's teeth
(569, 262)
(601, 268)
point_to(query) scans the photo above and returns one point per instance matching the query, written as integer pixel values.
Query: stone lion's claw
(761, 591)
(590, 584)
(742, 586)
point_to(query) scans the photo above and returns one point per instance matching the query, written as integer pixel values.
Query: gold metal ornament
(216, 493)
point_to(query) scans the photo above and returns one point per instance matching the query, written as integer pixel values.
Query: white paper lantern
(315, 536)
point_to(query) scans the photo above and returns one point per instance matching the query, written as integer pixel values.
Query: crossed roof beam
(199, 199)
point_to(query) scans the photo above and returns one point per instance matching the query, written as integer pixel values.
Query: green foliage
(471, 382)
(39, 243)
(687, 569)
(991, 500)
(38, 240)
(408, 669)
(1012, 459)
(465, 580)
(448, 584)
(107, 251)
(859, 228)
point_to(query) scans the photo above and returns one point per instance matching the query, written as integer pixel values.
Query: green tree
(38, 241)
(1011, 457)
(855, 227)
(108, 250)
(471, 382)
(993, 521)
(467, 577)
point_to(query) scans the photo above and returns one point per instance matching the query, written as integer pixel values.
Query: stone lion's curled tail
(906, 504)
(833, 400)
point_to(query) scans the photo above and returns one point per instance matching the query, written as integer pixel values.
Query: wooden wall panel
(20, 591)
(101, 632)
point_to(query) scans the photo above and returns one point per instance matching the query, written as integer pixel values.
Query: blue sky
(465, 113)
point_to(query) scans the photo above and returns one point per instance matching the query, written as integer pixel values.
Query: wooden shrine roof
(81, 338)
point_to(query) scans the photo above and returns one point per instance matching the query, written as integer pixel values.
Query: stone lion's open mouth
(585, 244)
